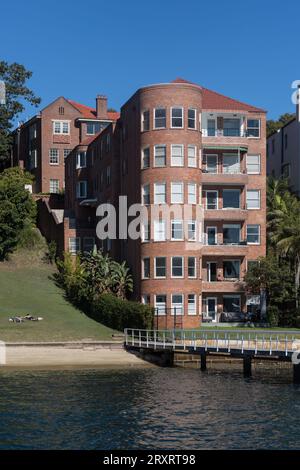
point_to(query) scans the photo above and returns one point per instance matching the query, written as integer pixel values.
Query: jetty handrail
(244, 341)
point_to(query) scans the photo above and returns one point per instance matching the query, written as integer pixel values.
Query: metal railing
(265, 342)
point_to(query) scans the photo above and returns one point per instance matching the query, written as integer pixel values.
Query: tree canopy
(15, 77)
(273, 126)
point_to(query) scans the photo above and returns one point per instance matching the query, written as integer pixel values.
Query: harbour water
(147, 409)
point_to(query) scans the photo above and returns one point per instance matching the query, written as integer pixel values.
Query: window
(146, 120)
(160, 304)
(231, 234)
(67, 152)
(108, 176)
(231, 269)
(107, 143)
(231, 163)
(159, 230)
(191, 118)
(93, 128)
(253, 234)
(177, 156)
(61, 110)
(192, 230)
(192, 198)
(192, 304)
(88, 244)
(54, 186)
(211, 127)
(146, 299)
(160, 264)
(212, 163)
(160, 120)
(253, 164)
(145, 232)
(81, 189)
(159, 193)
(231, 127)
(211, 235)
(177, 304)
(192, 156)
(53, 157)
(32, 132)
(61, 127)
(176, 230)
(231, 303)
(211, 199)
(146, 268)
(74, 245)
(253, 127)
(211, 271)
(231, 198)
(177, 266)
(32, 159)
(192, 267)
(160, 155)
(177, 117)
(253, 199)
(176, 193)
(146, 194)
(81, 160)
(146, 157)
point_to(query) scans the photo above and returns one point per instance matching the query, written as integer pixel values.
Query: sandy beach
(69, 354)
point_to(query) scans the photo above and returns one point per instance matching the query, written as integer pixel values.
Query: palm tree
(121, 278)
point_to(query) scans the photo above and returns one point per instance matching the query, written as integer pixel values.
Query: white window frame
(145, 230)
(192, 159)
(173, 183)
(175, 305)
(147, 185)
(78, 160)
(160, 195)
(182, 117)
(154, 118)
(259, 230)
(216, 234)
(194, 303)
(206, 200)
(259, 199)
(77, 245)
(259, 127)
(181, 164)
(214, 319)
(166, 261)
(253, 164)
(195, 119)
(143, 268)
(216, 156)
(195, 267)
(54, 163)
(143, 159)
(143, 120)
(160, 307)
(226, 155)
(208, 270)
(190, 222)
(192, 197)
(51, 180)
(182, 267)
(61, 127)
(177, 221)
(154, 158)
(159, 231)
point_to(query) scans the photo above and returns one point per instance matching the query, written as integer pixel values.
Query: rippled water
(146, 408)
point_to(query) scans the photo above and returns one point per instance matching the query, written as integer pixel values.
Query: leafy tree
(273, 126)
(121, 279)
(15, 77)
(17, 208)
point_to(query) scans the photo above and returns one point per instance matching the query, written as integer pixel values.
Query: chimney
(101, 107)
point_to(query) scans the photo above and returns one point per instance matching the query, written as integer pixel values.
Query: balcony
(235, 249)
(228, 132)
(225, 214)
(223, 286)
(226, 177)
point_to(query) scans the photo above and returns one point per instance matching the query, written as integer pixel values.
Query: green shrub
(273, 315)
(119, 314)
(52, 251)
(30, 238)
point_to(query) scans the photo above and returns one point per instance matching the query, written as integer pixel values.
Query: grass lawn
(28, 289)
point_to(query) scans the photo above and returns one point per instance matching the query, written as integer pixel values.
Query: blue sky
(246, 50)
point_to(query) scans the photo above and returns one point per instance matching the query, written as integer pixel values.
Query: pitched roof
(90, 113)
(213, 100)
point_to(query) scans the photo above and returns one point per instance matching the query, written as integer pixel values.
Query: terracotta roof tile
(213, 100)
(90, 113)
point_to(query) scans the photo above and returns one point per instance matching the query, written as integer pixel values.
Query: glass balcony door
(231, 127)
(231, 163)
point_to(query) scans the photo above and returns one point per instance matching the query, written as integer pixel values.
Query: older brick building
(177, 143)
(41, 144)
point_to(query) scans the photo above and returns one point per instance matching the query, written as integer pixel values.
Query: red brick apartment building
(177, 143)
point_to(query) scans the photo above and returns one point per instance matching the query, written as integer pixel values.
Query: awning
(89, 202)
(228, 147)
